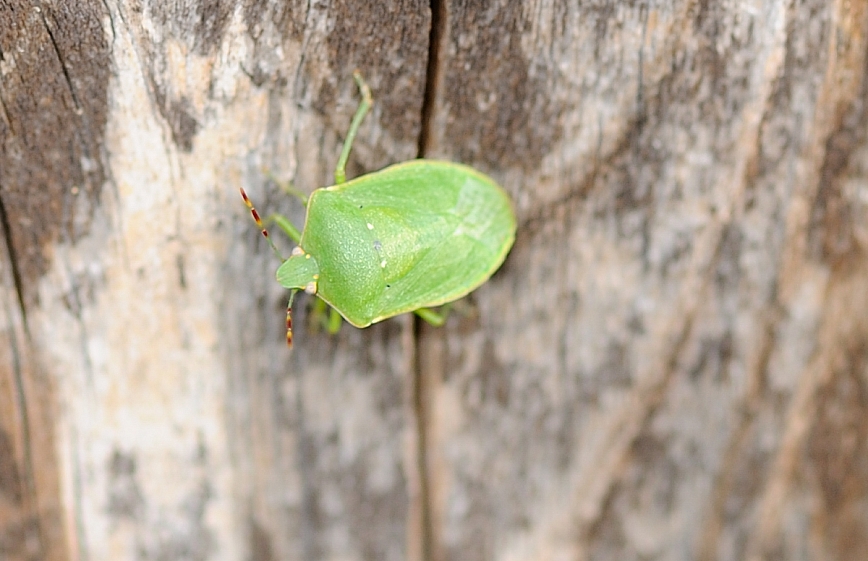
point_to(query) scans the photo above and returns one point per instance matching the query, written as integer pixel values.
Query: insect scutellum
(310, 286)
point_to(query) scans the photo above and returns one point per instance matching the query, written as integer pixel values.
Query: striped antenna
(259, 223)
(267, 237)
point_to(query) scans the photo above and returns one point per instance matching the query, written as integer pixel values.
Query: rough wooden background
(671, 365)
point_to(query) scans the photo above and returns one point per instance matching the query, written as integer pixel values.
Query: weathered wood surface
(672, 364)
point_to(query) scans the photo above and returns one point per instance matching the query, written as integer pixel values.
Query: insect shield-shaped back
(414, 235)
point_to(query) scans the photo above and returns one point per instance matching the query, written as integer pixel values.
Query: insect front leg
(364, 107)
(289, 319)
(284, 224)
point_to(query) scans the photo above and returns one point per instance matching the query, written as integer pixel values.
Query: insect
(410, 237)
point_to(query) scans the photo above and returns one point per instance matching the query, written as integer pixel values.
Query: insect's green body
(409, 237)
(414, 235)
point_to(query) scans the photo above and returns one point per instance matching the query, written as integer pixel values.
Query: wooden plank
(31, 509)
(670, 365)
(52, 109)
(184, 427)
(649, 375)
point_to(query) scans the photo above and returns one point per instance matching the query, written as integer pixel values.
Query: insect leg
(364, 107)
(284, 224)
(289, 319)
(437, 319)
(335, 321)
(330, 321)
(317, 317)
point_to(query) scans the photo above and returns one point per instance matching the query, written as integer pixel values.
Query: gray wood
(184, 429)
(52, 114)
(671, 365)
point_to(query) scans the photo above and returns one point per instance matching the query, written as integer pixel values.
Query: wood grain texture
(656, 372)
(31, 503)
(184, 429)
(672, 363)
(53, 87)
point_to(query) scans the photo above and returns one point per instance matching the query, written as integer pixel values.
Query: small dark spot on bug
(361, 206)
(388, 286)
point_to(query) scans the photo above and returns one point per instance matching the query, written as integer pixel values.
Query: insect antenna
(259, 223)
(276, 251)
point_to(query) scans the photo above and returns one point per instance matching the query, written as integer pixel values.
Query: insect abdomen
(413, 235)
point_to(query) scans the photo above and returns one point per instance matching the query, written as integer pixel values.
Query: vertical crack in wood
(5, 108)
(419, 388)
(13, 262)
(19, 387)
(63, 66)
(26, 443)
(417, 512)
(432, 73)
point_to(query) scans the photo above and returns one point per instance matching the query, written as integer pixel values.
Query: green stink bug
(412, 236)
